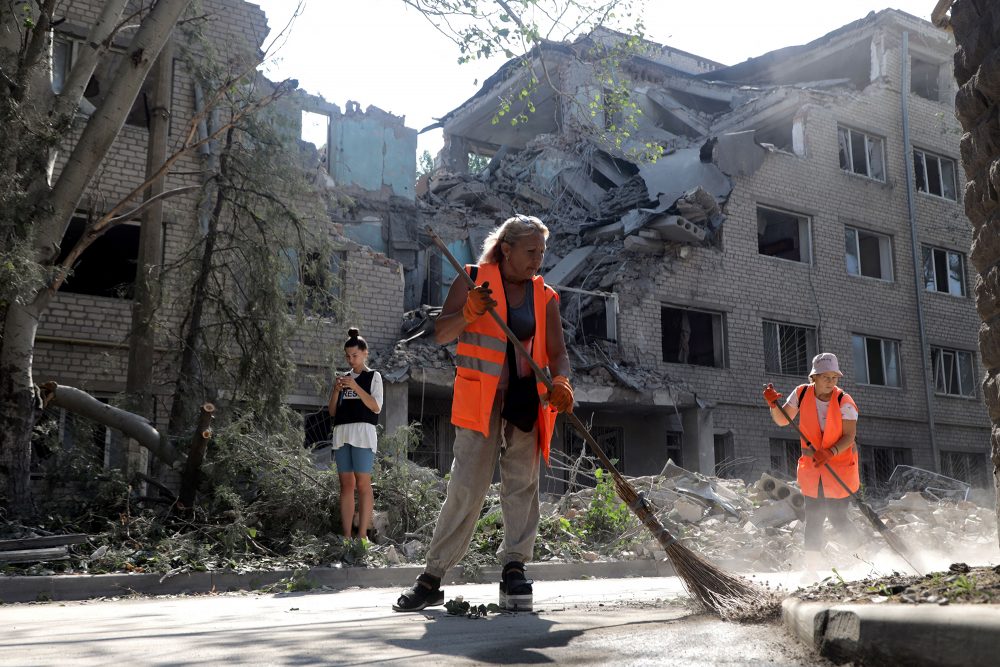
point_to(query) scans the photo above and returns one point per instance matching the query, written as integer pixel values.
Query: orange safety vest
(481, 353)
(845, 464)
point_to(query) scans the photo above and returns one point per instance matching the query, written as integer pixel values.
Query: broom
(731, 597)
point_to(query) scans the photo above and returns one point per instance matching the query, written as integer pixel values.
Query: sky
(383, 53)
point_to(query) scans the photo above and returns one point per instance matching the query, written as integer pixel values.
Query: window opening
(783, 235)
(876, 361)
(868, 254)
(861, 153)
(692, 337)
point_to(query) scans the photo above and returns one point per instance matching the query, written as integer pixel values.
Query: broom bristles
(732, 598)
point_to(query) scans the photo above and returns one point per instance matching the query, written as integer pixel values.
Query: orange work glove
(478, 302)
(561, 396)
(821, 456)
(771, 395)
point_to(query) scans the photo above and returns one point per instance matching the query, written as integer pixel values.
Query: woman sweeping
(354, 406)
(831, 432)
(500, 410)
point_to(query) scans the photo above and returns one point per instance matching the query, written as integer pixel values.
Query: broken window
(944, 271)
(725, 455)
(788, 349)
(316, 131)
(785, 455)
(784, 235)
(478, 163)
(877, 464)
(610, 438)
(319, 277)
(973, 468)
(868, 254)
(675, 448)
(861, 153)
(432, 450)
(876, 361)
(107, 266)
(924, 78)
(692, 337)
(64, 55)
(954, 372)
(591, 313)
(934, 175)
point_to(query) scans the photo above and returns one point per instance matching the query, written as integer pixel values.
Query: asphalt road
(640, 621)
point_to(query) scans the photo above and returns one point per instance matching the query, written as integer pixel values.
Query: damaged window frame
(934, 269)
(847, 138)
(954, 372)
(921, 175)
(853, 244)
(922, 84)
(969, 467)
(889, 364)
(610, 310)
(86, 277)
(877, 462)
(718, 322)
(784, 454)
(804, 242)
(63, 55)
(782, 332)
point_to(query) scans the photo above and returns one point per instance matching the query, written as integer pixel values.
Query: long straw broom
(729, 596)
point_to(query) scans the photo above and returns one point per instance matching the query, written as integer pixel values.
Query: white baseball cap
(825, 362)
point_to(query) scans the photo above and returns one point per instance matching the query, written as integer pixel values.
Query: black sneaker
(515, 589)
(425, 593)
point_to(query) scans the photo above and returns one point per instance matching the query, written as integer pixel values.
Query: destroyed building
(83, 336)
(808, 199)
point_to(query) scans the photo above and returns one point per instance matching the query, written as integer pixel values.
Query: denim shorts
(354, 459)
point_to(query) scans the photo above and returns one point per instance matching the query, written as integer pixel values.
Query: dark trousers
(819, 510)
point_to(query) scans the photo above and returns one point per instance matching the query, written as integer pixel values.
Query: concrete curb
(962, 635)
(84, 586)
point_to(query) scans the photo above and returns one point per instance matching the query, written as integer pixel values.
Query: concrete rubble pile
(759, 528)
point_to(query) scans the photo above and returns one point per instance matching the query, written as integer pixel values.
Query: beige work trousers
(472, 469)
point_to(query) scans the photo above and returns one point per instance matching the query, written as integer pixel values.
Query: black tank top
(521, 320)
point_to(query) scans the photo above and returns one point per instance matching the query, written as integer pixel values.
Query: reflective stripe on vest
(480, 357)
(845, 464)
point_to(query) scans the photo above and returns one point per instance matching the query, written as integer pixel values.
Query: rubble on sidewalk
(745, 528)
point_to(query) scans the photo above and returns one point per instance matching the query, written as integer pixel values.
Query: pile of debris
(757, 527)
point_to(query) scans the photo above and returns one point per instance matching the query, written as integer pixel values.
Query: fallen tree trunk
(134, 426)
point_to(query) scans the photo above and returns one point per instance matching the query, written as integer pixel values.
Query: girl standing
(355, 404)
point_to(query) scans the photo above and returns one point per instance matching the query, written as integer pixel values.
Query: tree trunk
(976, 24)
(49, 221)
(146, 297)
(184, 391)
(18, 408)
(191, 477)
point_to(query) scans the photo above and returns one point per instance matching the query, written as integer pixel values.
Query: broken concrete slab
(676, 228)
(773, 515)
(570, 265)
(672, 175)
(738, 153)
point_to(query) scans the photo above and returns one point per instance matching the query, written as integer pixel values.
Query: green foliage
(425, 163)
(461, 607)
(607, 518)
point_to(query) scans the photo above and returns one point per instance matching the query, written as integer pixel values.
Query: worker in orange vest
(832, 433)
(499, 408)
